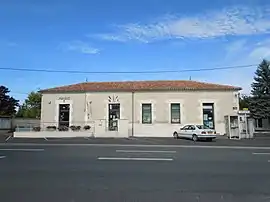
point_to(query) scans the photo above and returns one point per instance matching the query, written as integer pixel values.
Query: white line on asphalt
(1, 157)
(134, 159)
(30, 150)
(135, 145)
(143, 151)
(8, 138)
(261, 153)
(268, 161)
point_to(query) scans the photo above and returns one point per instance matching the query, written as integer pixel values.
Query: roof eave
(135, 90)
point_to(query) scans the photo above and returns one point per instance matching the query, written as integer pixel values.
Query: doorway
(114, 116)
(208, 115)
(64, 112)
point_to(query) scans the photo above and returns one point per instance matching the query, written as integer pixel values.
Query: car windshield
(202, 127)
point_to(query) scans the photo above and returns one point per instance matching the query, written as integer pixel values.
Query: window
(191, 127)
(259, 123)
(202, 127)
(175, 113)
(147, 113)
(185, 128)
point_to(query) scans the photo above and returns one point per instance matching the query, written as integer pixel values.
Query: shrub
(37, 128)
(51, 127)
(63, 128)
(75, 128)
(87, 127)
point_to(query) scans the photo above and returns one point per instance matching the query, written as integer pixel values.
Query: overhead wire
(127, 72)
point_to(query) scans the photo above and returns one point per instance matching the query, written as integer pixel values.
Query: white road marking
(260, 153)
(8, 138)
(143, 151)
(136, 145)
(134, 159)
(27, 150)
(1, 157)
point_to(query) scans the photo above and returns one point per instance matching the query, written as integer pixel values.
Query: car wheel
(175, 135)
(195, 138)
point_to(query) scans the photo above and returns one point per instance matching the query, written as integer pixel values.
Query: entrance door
(208, 115)
(114, 115)
(63, 119)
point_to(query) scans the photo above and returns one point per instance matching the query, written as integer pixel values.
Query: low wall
(25, 122)
(44, 134)
(155, 130)
(100, 130)
(5, 123)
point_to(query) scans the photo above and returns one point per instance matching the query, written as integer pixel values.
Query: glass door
(114, 115)
(208, 115)
(63, 119)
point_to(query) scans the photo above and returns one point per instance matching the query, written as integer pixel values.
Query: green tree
(7, 103)
(260, 100)
(31, 107)
(244, 102)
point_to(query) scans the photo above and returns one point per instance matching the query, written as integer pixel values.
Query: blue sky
(120, 35)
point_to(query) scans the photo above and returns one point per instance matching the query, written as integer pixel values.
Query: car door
(183, 131)
(190, 131)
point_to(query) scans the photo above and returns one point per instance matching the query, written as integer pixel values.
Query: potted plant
(63, 128)
(86, 127)
(75, 128)
(51, 128)
(37, 128)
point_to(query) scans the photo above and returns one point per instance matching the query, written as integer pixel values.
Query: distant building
(151, 108)
(262, 124)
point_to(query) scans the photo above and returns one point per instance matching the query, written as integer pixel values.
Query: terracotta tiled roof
(139, 86)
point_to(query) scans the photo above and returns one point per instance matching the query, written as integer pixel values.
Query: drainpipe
(132, 115)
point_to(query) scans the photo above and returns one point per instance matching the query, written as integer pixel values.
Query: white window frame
(151, 105)
(171, 113)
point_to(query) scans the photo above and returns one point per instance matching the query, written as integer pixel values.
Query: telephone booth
(239, 126)
(232, 127)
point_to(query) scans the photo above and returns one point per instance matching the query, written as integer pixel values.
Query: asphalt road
(220, 141)
(121, 173)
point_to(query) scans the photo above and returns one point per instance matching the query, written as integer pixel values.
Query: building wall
(265, 124)
(89, 107)
(50, 106)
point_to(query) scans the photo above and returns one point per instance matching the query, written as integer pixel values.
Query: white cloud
(237, 21)
(261, 50)
(79, 46)
(236, 46)
(244, 52)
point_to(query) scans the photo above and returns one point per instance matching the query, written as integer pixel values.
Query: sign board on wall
(243, 112)
(64, 98)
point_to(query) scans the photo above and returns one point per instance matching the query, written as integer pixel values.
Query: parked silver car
(195, 132)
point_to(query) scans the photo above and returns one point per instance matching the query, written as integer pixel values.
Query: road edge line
(137, 145)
